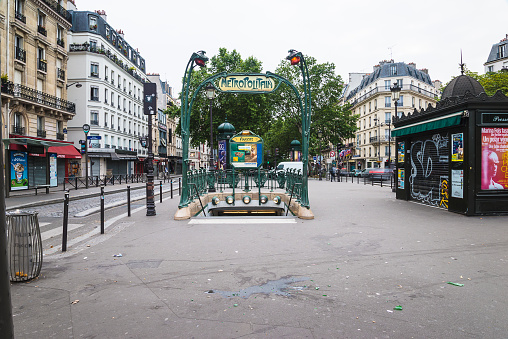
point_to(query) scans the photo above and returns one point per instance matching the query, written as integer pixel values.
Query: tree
(493, 81)
(335, 121)
(244, 111)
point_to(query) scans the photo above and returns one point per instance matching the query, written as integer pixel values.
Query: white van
(284, 166)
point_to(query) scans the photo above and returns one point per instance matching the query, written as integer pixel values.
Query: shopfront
(455, 156)
(34, 162)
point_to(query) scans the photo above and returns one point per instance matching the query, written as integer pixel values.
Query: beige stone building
(33, 66)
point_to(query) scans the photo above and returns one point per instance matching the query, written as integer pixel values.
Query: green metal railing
(235, 181)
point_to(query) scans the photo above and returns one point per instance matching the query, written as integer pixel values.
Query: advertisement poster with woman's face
(494, 158)
(19, 171)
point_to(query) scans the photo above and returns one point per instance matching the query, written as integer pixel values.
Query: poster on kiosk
(19, 170)
(246, 150)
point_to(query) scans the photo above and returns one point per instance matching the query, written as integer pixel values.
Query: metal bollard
(65, 221)
(128, 201)
(171, 188)
(160, 192)
(102, 210)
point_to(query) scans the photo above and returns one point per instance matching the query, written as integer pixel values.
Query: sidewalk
(338, 276)
(27, 199)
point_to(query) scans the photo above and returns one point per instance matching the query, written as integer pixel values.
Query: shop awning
(428, 125)
(66, 152)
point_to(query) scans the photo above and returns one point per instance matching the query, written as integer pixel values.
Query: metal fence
(386, 180)
(104, 180)
(235, 181)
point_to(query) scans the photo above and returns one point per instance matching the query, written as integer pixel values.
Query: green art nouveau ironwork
(249, 83)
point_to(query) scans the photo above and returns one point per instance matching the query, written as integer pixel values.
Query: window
(420, 103)
(93, 23)
(387, 149)
(94, 118)
(94, 93)
(400, 102)
(106, 95)
(40, 126)
(93, 45)
(387, 85)
(502, 51)
(399, 114)
(388, 117)
(41, 59)
(94, 70)
(105, 119)
(370, 106)
(20, 7)
(41, 23)
(413, 102)
(375, 104)
(112, 98)
(388, 101)
(107, 33)
(490, 69)
(400, 82)
(393, 69)
(20, 53)
(59, 36)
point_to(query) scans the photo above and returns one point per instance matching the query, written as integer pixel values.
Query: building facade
(498, 57)
(372, 101)
(106, 77)
(34, 100)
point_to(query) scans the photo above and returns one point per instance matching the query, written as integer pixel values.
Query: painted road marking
(58, 231)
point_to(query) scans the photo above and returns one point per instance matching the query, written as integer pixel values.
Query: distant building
(111, 74)
(371, 99)
(498, 57)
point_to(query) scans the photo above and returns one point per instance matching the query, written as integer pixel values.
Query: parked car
(376, 173)
(344, 172)
(355, 173)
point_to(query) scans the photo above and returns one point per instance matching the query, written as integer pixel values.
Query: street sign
(314, 158)
(94, 137)
(86, 128)
(332, 154)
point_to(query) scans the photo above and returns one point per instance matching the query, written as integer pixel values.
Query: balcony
(60, 74)
(94, 98)
(16, 129)
(106, 78)
(106, 146)
(42, 30)
(41, 133)
(112, 82)
(94, 122)
(60, 42)
(20, 17)
(20, 54)
(58, 9)
(112, 126)
(60, 136)
(38, 97)
(94, 74)
(42, 65)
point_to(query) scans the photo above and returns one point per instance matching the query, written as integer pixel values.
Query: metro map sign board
(246, 150)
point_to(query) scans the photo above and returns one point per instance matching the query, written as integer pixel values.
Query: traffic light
(276, 151)
(83, 146)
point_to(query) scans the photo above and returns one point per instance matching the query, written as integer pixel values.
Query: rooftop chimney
(102, 13)
(412, 65)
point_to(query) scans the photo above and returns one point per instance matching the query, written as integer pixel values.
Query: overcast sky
(354, 35)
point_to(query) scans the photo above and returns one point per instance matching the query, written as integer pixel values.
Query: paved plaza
(341, 275)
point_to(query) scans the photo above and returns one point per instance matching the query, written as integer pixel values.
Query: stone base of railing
(195, 207)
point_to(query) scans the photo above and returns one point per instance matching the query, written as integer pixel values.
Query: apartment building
(498, 57)
(35, 109)
(106, 76)
(372, 101)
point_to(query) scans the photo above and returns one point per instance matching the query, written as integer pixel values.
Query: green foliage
(491, 81)
(335, 121)
(244, 111)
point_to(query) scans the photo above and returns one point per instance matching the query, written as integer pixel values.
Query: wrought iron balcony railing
(41, 133)
(94, 122)
(32, 95)
(58, 9)
(16, 129)
(20, 17)
(42, 65)
(60, 42)
(60, 136)
(42, 30)
(60, 74)
(20, 54)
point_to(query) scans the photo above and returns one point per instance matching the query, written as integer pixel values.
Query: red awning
(67, 152)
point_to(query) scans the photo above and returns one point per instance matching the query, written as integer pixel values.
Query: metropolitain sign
(246, 83)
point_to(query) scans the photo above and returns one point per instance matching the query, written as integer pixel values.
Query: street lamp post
(378, 140)
(86, 129)
(320, 135)
(210, 94)
(395, 97)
